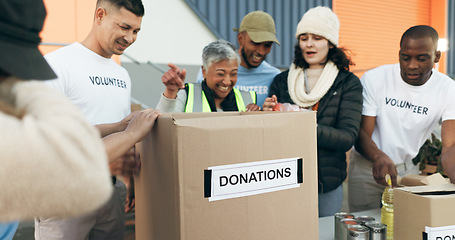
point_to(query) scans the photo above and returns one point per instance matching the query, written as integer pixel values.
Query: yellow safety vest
(197, 101)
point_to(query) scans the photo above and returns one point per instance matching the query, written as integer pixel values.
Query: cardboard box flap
(430, 190)
(199, 115)
(410, 180)
(234, 120)
(179, 115)
(435, 179)
(420, 180)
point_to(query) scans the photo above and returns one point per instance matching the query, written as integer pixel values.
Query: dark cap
(21, 22)
(260, 27)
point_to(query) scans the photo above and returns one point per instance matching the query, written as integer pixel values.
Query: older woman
(319, 79)
(216, 93)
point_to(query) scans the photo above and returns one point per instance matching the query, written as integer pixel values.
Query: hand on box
(252, 107)
(173, 80)
(125, 121)
(142, 123)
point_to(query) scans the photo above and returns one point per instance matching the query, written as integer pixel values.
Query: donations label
(439, 233)
(245, 179)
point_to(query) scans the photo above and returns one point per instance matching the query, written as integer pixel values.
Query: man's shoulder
(384, 72)
(77, 54)
(264, 68)
(63, 51)
(442, 76)
(267, 67)
(64, 56)
(443, 81)
(383, 68)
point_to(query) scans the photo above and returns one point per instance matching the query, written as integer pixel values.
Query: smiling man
(256, 37)
(402, 104)
(101, 88)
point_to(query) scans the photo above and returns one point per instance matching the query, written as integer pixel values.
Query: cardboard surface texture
(422, 206)
(170, 198)
(421, 180)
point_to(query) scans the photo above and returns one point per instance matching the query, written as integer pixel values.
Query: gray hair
(218, 51)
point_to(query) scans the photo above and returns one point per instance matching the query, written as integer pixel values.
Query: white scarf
(296, 84)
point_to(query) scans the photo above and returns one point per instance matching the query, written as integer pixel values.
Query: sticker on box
(246, 179)
(439, 233)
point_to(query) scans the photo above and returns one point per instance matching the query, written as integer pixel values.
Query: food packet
(287, 107)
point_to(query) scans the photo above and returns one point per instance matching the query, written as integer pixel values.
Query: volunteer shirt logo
(107, 81)
(406, 105)
(257, 89)
(239, 180)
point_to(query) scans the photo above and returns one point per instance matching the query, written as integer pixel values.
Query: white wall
(170, 32)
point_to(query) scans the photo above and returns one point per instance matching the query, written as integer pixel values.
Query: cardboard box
(174, 200)
(422, 206)
(421, 180)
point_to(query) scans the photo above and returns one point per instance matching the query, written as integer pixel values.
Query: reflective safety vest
(197, 101)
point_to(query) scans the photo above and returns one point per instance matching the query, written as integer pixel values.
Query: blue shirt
(254, 79)
(7, 230)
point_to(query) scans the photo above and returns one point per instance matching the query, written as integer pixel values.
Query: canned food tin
(337, 223)
(358, 232)
(378, 230)
(364, 219)
(345, 224)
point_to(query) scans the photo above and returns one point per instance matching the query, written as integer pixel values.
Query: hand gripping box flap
(170, 198)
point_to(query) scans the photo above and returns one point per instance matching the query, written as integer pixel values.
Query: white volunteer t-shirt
(405, 114)
(99, 86)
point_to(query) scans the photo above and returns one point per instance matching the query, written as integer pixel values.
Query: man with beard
(101, 88)
(402, 105)
(256, 37)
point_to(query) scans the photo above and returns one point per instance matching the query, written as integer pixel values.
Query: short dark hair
(134, 6)
(421, 31)
(336, 55)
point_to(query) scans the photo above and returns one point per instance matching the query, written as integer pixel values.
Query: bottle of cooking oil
(387, 209)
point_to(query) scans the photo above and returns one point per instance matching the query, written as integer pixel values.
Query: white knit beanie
(320, 21)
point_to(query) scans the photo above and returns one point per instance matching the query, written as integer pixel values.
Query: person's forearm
(117, 144)
(109, 128)
(448, 162)
(367, 148)
(166, 105)
(171, 94)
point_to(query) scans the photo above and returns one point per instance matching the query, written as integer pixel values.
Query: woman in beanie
(319, 80)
